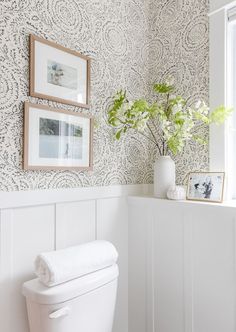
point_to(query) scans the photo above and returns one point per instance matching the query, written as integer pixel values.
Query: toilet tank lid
(35, 291)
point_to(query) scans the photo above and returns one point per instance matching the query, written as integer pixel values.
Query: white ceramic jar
(176, 193)
(164, 176)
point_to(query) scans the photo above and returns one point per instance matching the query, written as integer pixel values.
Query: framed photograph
(56, 139)
(58, 73)
(206, 186)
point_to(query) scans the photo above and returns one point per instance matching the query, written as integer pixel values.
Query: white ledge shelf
(16, 199)
(224, 204)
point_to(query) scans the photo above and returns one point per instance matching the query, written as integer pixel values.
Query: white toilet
(85, 304)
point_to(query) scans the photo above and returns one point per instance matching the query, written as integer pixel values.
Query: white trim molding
(217, 5)
(16, 199)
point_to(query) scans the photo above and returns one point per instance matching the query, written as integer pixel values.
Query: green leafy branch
(168, 123)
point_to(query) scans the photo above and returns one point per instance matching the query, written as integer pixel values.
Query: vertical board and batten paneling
(213, 268)
(138, 249)
(168, 269)
(193, 268)
(37, 221)
(24, 233)
(75, 223)
(112, 225)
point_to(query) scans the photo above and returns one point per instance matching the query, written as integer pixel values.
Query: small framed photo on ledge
(56, 139)
(206, 186)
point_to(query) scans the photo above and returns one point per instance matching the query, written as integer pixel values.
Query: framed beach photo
(58, 73)
(56, 139)
(206, 186)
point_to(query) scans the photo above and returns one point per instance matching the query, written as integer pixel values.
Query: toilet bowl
(85, 304)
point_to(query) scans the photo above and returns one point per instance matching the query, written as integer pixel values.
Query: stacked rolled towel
(56, 267)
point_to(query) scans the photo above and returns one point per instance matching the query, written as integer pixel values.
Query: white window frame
(216, 5)
(219, 145)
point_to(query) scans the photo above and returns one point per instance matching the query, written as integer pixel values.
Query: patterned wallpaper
(132, 43)
(180, 29)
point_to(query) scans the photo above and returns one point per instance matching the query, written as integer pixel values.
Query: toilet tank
(85, 304)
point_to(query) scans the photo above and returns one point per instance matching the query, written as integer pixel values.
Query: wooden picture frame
(58, 73)
(206, 186)
(56, 139)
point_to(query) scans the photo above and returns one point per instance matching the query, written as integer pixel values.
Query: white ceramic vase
(164, 176)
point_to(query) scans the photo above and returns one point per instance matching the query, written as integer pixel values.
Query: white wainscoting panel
(112, 225)
(24, 233)
(36, 221)
(193, 270)
(213, 264)
(139, 221)
(76, 223)
(168, 269)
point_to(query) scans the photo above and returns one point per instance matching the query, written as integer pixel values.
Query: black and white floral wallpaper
(132, 43)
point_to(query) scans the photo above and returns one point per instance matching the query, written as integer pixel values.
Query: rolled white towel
(56, 267)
